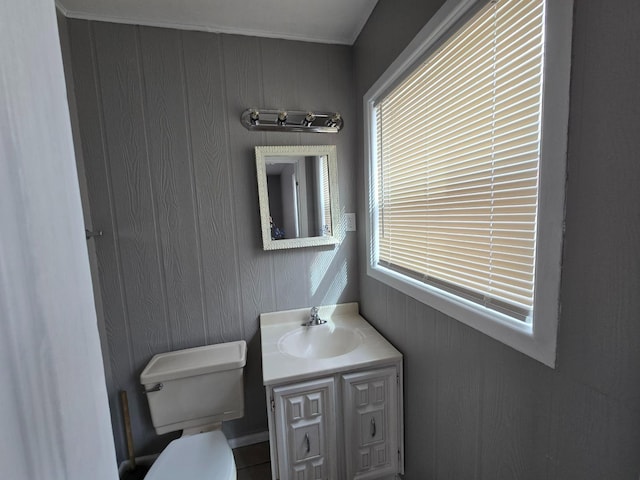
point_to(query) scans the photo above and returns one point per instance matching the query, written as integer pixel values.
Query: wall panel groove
(234, 219)
(144, 101)
(192, 187)
(172, 185)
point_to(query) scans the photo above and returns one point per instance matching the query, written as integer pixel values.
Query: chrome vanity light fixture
(291, 121)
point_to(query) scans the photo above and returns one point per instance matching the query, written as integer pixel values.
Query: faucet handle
(314, 318)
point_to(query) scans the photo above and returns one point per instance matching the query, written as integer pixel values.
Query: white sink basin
(347, 341)
(320, 341)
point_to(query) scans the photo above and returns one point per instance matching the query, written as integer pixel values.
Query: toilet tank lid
(195, 361)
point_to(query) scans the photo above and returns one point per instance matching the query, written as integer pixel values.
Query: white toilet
(195, 390)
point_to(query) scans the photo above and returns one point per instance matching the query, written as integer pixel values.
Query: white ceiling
(325, 21)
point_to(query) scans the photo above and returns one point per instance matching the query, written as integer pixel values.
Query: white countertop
(279, 367)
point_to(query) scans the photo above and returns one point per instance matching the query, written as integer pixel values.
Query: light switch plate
(350, 222)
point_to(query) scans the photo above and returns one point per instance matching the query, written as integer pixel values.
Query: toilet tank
(196, 387)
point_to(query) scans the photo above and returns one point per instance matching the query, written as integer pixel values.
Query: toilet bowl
(202, 456)
(195, 390)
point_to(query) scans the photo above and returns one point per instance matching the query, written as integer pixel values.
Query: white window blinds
(457, 152)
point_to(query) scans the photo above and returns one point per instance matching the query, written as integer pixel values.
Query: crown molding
(211, 28)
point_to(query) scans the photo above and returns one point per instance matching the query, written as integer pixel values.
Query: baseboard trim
(248, 439)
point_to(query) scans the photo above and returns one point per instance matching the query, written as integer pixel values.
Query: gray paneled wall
(476, 409)
(171, 181)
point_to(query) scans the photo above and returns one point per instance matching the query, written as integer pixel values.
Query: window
(466, 148)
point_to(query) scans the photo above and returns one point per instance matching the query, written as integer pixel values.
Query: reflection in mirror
(298, 190)
(298, 195)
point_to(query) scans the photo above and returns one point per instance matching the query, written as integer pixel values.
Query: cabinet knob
(306, 439)
(373, 426)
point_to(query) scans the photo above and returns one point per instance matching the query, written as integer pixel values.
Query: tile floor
(253, 462)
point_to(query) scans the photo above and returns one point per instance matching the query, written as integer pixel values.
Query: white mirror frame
(263, 195)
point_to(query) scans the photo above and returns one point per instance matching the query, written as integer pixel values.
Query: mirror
(298, 193)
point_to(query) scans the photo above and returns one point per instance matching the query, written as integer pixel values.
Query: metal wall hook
(90, 233)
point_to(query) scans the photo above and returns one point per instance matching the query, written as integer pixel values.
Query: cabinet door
(370, 402)
(305, 430)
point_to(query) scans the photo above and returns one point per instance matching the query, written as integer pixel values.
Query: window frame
(536, 339)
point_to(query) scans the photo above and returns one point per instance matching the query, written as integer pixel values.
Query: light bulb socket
(333, 120)
(308, 119)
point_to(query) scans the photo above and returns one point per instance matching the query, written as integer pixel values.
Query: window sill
(521, 336)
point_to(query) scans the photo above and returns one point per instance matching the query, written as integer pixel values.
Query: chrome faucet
(314, 318)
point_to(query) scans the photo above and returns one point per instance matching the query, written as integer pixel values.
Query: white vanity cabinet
(334, 395)
(305, 430)
(344, 427)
